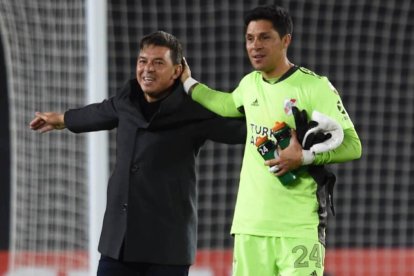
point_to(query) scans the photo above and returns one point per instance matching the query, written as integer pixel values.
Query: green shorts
(275, 256)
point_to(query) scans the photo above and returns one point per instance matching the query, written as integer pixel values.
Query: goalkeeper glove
(321, 134)
(315, 137)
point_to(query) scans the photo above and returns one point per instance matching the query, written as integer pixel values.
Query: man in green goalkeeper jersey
(279, 229)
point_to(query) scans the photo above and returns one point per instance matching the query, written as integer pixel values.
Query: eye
(249, 39)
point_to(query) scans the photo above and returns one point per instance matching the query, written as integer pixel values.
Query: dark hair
(161, 38)
(280, 18)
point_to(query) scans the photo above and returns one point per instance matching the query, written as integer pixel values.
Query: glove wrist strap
(307, 157)
(188, 84)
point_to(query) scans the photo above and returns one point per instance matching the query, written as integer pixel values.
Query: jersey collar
(285, 75)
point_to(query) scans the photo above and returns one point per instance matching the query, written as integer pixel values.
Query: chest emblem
(287, 106)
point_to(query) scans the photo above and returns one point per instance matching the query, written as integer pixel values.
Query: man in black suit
(150, 221)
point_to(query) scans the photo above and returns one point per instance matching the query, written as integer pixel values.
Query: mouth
(258, 57)
(148, 80)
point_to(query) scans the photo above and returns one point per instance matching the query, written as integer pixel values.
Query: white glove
(188, 83)
(325, 125)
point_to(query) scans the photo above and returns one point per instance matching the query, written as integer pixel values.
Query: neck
(279, 70)
(158, 97)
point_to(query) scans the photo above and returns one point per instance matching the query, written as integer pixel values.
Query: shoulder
(127, 93)
(182, 104)
(251, 77)
(250, 80)
(305, 74)
(128, 88)
(195, 109)
(306, 77)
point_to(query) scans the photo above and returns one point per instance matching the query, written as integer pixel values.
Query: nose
(256, 43)
(149, 67)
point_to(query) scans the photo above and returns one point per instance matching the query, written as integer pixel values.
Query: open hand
(47, 121)
(289, 158)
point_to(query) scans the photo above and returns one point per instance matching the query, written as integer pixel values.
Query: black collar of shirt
(164, 107)
(285, 75)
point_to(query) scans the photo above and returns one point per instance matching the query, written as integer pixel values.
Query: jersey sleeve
(350, 149)
(326, 99)
(221, 103)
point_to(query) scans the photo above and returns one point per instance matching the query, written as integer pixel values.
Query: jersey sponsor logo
(255, 103)
(258, 131)
(313, 273)
(287, 106)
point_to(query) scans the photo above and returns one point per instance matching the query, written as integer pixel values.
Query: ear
(178, 69)
(286, 40)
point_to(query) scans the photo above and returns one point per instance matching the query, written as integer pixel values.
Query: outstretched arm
(93, 117)
(47, 121)
(219, 102)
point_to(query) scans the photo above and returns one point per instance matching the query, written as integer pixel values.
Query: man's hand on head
(186, 71)
(186, 79)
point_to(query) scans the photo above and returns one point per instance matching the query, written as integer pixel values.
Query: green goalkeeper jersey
(266, 207)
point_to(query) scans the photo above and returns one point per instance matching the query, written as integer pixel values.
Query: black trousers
(112, 267)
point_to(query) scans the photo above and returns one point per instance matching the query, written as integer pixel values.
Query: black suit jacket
(151, 199)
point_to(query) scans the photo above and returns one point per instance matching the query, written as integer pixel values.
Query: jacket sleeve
(225, 130)
(93, 117)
